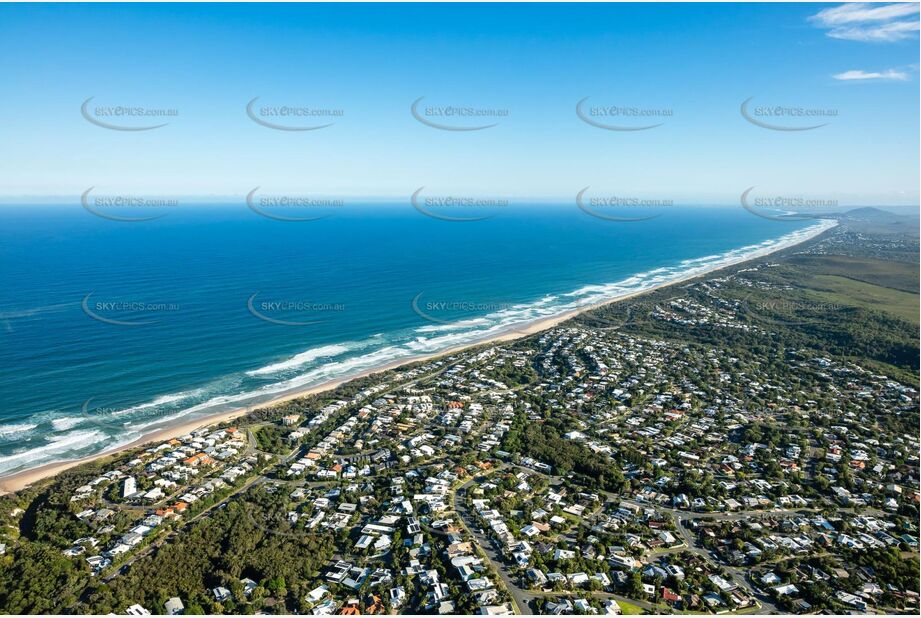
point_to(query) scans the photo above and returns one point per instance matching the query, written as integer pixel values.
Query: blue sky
(535, 61)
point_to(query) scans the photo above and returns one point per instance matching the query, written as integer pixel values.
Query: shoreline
(24, 478)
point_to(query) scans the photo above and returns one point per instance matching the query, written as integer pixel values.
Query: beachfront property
(165, 480)
(548, 475)
(385, 470)
(437, 309)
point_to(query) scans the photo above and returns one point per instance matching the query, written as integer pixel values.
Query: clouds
(858, 75)
(877, 23)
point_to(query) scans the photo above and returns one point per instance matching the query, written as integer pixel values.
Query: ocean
(110, 329)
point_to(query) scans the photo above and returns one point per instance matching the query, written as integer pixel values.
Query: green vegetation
(36, 578)
(272, 439)
(245, 539)
(884, 273)
(780, 364)
(860, 308)
(629, 609)
(544, 442)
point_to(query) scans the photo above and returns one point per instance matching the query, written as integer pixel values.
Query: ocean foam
(66, 422)
(16, 430)
(54, 447)
(400, 345)
(303, 358)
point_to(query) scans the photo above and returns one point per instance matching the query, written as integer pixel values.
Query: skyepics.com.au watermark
(793, 202)
(621, 208)
(126, 312)
(116, 418)
(102, 416)
(454, 306)
(610, 314)
(457, 117)
(126, 207)
(617, 117)
(453, 111)
(795, 305)
(292, 311)
(292, 207)
(787, 207)
(126, 117)
(786, 117)
(462, 313)
(293, 117)
(615, 201)
(786, 312)
(457, 207)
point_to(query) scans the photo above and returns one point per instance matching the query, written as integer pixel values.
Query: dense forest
(247, 539)
(545, 442)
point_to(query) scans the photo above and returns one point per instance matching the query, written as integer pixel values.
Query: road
(523, 597)
(520, 598)
(251, 447)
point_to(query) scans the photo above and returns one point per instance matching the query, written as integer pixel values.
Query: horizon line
(217, 200)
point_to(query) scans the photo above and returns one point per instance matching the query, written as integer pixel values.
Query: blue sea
(111, 329)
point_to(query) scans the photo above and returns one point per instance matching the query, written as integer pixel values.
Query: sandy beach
(19, 480)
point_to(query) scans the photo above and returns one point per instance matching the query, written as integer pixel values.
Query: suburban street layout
(450, 308)
(619, 462)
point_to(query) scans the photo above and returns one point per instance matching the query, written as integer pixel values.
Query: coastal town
(604, 466)
(460, 308)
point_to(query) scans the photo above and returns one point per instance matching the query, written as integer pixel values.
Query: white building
(130, 487)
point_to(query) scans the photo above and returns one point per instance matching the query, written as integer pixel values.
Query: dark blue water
(110, 329)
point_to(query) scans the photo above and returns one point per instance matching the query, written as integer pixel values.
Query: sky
(688, 68)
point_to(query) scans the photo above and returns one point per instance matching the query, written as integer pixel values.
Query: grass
(896, 275)
(866, 309)
(839, 290)
(629, 609)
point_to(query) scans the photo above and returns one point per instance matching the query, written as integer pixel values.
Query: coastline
(24, 478)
